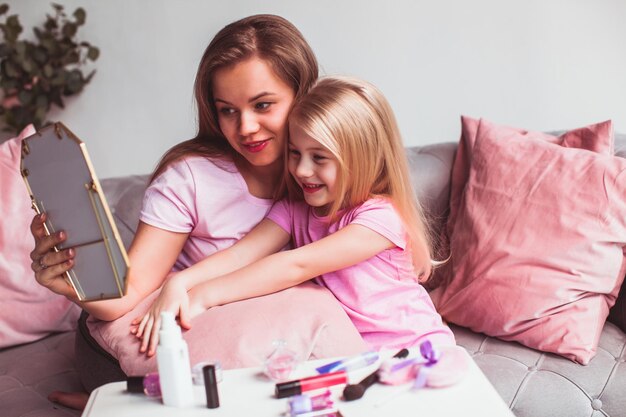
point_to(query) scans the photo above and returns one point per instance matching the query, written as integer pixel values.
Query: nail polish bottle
(281, 362)
(302, 404)
(148, 384)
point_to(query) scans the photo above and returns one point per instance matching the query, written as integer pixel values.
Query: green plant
(34, 75)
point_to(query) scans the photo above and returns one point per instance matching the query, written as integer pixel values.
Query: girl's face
(252, 107)
(314, 168)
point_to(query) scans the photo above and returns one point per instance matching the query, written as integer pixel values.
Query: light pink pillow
(29, 311)
(597, 137)
(307, 317)
(537, 237)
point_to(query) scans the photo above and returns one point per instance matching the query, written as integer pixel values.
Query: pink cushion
(29, 311)
(597, 138)
(537, 236)
(240, 334)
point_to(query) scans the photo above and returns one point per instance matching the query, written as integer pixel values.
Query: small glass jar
(279, 365)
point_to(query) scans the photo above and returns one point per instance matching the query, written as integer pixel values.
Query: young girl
(352, 217)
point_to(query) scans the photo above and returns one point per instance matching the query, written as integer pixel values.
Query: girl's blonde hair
(354, 121)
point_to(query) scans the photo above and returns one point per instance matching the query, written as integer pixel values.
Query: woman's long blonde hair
(354, 121)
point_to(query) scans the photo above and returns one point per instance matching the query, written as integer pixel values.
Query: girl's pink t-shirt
(207, 198)
(380, 295)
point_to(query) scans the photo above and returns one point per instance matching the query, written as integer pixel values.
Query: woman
(241, 129)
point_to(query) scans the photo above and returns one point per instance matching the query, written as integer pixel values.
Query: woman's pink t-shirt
(380, 295)
(206, 198)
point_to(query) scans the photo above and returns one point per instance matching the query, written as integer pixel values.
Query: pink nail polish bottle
(299, 405)
(148, 384)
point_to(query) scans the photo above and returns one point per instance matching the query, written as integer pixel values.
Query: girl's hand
(174, 298)
(196, 303)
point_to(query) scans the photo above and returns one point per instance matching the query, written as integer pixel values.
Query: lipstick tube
(210, 387)
(298, 386)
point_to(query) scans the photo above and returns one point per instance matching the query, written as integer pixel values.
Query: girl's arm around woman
(344, 248)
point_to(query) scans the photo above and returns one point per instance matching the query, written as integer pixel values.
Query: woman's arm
(266, 238)
(346, 247)
(152, 255)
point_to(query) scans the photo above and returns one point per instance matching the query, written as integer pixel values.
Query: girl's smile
(311, 188)
(314, 168)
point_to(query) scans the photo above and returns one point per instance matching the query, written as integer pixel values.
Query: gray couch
(532, 383)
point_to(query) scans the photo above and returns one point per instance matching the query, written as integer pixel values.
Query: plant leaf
(51, 45)
(72, 57)
(69, 30)
(42, 102)
(74, 83)
(55, 97)
(90, 76)
(25, 97)
(8, 83)
(14, 21)
(51, 24)
(11, 70)
(20, 48)
(28, 66)
(59, 80)
(93, 53)
(48, 71)
(80, 16)
(12, 29)
(40, 116)
(40, 56)
(40, 72)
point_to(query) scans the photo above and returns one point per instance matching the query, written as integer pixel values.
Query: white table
(247, 392)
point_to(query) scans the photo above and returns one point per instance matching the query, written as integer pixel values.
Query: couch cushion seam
(612, 373)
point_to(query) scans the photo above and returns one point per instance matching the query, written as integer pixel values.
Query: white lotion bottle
(173, 363)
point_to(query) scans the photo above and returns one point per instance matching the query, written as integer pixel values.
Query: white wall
(538, 64)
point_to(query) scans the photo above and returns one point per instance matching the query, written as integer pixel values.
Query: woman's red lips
(256, 146)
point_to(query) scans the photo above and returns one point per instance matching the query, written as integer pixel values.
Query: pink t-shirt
(381, 295)
(206, 198)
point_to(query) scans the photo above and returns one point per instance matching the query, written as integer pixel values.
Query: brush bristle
(353, 392)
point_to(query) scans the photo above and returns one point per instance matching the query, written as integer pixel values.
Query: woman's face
(252, 105)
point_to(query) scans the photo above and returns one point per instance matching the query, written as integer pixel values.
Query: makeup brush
(355, 391)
